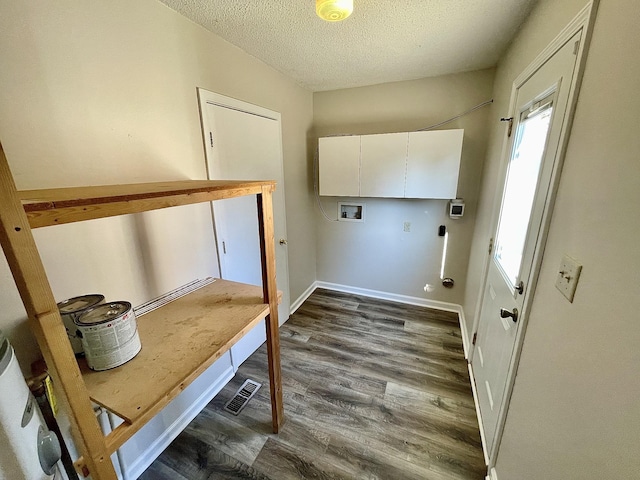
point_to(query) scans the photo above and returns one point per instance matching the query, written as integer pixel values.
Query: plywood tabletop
(64, 205)
(179, 341)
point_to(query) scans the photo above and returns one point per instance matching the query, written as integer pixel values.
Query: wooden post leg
(31, 279)
(268, 254)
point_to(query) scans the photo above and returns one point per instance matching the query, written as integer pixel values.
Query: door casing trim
(584, 22)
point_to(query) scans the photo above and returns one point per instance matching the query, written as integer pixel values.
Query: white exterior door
(244, 142)
(539, 115)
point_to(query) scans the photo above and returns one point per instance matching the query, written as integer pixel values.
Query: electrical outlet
(568, 275)
(407, 226)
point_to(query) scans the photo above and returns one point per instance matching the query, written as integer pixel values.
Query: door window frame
(547, 99)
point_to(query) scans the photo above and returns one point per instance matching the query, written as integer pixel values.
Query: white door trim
(583, 21)
(206, 96)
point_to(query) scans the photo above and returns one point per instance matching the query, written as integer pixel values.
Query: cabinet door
(383, 165)
(433, 164)
(339, 160)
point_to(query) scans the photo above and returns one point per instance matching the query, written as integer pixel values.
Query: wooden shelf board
(65, 205)
(179, 341)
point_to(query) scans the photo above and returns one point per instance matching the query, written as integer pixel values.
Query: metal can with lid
(109, 335)
(70, 311)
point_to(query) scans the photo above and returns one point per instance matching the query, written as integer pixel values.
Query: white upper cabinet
(340, 166)
(383, 161)
(392, 165)
(433, 164)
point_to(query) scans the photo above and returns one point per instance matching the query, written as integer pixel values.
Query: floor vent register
(242, 396)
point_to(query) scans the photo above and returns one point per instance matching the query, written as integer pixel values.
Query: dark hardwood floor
(372, 390)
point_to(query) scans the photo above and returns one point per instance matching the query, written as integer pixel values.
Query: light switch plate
(568, 275)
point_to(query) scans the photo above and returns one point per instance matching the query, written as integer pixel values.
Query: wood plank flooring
(372, 390)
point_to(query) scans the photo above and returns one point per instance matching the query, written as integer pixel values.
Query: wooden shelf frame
(22, 211)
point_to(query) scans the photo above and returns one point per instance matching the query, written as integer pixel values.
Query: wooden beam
(66, 205)
(268, 254)
(30, 277)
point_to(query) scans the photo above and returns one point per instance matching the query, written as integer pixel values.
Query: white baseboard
(464, 332)
(162, 442)
(480, 424)
(422, 302)
(394, 297)
(300, 300)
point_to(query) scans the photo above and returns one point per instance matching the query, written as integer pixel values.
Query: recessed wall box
(351, 212)
(456, 208)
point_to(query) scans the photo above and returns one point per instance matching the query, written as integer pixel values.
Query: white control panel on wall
(568, 275)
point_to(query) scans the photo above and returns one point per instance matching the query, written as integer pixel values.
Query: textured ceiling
(382, 41)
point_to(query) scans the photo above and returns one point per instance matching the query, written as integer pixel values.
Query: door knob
(504, 313)
(283, 241)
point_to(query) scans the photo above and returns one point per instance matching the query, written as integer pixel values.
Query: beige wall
(575, 412)
(378, 254)
(105, 92)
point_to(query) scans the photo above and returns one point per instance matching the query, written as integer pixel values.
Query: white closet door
(383, 165)
(433, 164)
(244, 142)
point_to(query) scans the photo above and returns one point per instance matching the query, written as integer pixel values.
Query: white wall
(378, 254)
(105, 92)
(575, 411)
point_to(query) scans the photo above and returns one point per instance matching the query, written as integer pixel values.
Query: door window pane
(520, 189)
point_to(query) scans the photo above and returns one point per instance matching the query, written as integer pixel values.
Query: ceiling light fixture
(334, 10)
